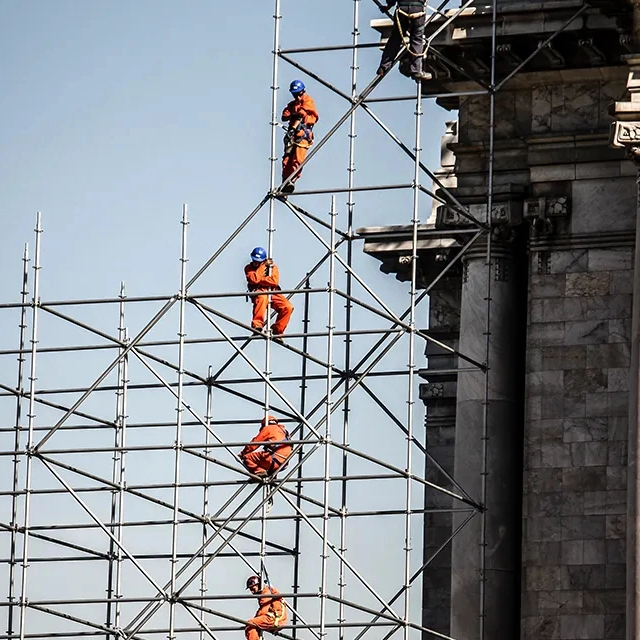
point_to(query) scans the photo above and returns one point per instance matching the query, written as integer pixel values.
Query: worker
(263, 275)
(272, 611)
(301, 114)
(409, 17)
(276, 449)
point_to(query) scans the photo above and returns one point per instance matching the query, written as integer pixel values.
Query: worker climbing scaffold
(301, 114)
(263, 276)
(272, 611)
(410, 16)
(269, 449)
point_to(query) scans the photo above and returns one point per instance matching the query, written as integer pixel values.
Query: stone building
(561, 281)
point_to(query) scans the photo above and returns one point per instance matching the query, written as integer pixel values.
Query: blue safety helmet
(296, 87)
(258, 254)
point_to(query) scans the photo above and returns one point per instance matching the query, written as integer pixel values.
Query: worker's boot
(422, 76)
(289, 188)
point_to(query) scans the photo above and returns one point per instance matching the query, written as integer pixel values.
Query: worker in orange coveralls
(263, 275)
(301, 114)
(274, 440)
(271, 614)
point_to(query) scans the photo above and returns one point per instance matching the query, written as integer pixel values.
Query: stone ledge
(612, 239)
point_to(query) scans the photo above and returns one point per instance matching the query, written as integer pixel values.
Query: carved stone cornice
(625, 131)
(543, 214)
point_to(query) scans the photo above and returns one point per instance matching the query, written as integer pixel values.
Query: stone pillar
(503, 453)
(626, 133)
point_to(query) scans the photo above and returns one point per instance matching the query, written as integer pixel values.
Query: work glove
(385, 8)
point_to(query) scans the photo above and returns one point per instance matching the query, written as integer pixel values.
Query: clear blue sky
(115, 113)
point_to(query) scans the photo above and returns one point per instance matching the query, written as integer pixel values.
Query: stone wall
(576, 438)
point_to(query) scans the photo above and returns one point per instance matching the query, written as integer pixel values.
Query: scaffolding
(153, 522)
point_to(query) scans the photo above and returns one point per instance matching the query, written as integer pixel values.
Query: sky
(115, 114)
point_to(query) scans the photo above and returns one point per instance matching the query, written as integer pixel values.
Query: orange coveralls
(259, 279)
(303, 108)
(270, 616)
(264, 462)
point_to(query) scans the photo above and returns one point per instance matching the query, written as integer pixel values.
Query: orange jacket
(304, 107)
(269, 433)
(258, 278)
(272, 606)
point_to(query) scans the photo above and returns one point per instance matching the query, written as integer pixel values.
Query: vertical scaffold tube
(122, 423)
(118, 452)
(24, 293)
(485, 410)
(272, 185)
(301, 435)
(205, 498)
(327, 428)
(179, 412)
(348, 308)
(411, 363)
(35, 305)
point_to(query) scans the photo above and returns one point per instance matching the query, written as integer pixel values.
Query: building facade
(557, 328)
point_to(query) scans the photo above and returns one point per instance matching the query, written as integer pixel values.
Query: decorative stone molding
(627, 135)
(625, 131)
(502, 213)
(544, 212)
(431, 390)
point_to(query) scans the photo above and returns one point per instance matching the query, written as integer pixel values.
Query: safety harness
(272, 450)
(295, 135)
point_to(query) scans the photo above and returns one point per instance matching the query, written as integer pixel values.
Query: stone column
(626, 133)
(503, 453)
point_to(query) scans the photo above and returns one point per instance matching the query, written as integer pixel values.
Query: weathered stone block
(585, 381)
(583, 577)
(595, 453)
(609, 356)
(543, 578)
(585, 429)
(570, 261)
(618, 428)
(594, 552)
(572, 503)
(614, 627)
(577, 454)
(618, 403)
(555, 454)
(616, 525)
(544, 382)
(586, 332)
(616, 502)
(617, 456)
(615, 576)
(622, 282)
(547, 285)
(584, 479)
(619, 330)
(543, 529)
(610, 259)
(565, 601)
(533, 407)
(602, 601)
(556, 358)
(596, 405)
(588, 284)
(616, 478)
(545, 505)
(542, 554)
(591, 197)
(572, 552)
(552, 406)
(575, 406)
(542, 480)
(544, 431)
(615, 551)
(582, 528)
(618, 379)
(547, 334)
(542, 627)
(595, 504)
(589, 627)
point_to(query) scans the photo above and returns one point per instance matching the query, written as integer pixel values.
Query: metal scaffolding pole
(18, 432)
(31, 416)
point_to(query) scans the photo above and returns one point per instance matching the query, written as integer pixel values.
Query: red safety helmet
(253, 581)
(268, 420)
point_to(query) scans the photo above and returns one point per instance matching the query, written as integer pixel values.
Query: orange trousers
(261, 462)
(292, 160)
(263, 623)
(279, 304)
